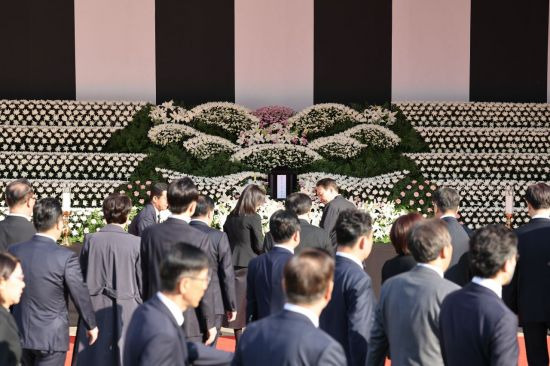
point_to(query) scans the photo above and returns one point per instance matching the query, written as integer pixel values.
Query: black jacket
(245, 237)
(15, 229)
(10, 344)
(330, 215)
(311, 236)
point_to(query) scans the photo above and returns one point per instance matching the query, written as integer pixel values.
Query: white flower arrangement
(167, 133)
(167, 112)
(67, 113)
(204, 146)
(482, 139)
(477, 217)
(69, 166)
(383, 214)
(275, 133)
(55, 139)
(516, 166)
(373, 135)
(321, 116)
(229, 116)
(338, 146)
(267, 156)
(380, 116)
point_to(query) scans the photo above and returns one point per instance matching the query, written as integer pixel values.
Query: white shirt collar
(20, 215)
(173, 307)
(185, 218)
(47, 236)
(284, 247)
(306, 312)
(490, 284)
(448, 215)
(350, 257)
(540, 217)
(433, 268)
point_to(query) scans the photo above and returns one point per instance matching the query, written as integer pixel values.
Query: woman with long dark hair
(244, 231)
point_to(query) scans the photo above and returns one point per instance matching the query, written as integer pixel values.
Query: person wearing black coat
(51, 273)
(292, 336)
(11, 287)
(349, 316)
(328, 193)
(223, 277)
(311, 236)
(243, 227)
(528, 294)
(17, 226)
(476, 327)
(156, 242)
(150, 214)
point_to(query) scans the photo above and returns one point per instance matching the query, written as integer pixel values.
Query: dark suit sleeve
(330, 215)
(79, 291)
(504, 342)
(378, 341)
(146, 286)
(333, 355)
(206, 305)
(145, 221)
(510, 292)
(360, 301)
(159, 351)
(139, 275)
(251, 304)
(327, 245)
(227, 274)
(257, 237)
(83, 258)
(207, 356)
(268, 242)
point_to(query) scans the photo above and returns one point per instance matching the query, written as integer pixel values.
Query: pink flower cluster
(137, 191)
(416, 196)
(273, 114)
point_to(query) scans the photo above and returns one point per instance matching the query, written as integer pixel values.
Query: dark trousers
(535, 343)
(33, 357)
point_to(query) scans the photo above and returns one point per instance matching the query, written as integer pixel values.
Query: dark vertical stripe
(509, 50)
(37, 58)
(352, 56)
(195, 48)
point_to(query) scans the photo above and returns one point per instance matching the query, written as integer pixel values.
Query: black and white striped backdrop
(290, 52)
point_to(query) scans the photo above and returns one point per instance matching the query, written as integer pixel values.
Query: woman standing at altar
(111, 267)
(244, 230)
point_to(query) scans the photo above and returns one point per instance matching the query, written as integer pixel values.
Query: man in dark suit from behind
(292, 336)
(264, 291)
(529, 293)
(150, 214)
(17, 226)
(156, 242)
(311, 236)
(155, 335)
(407, 316)
(51, 272)
(446, 202)
(476, 327)
(223, 276)
(349, 315)
(328, 193)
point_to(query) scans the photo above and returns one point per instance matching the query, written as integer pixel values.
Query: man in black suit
(223, 277)
(51, 272)
(292, 336)
(157, 240)
(446, 202)
(327, 191)
(476, 327)
(310, 236)
(349, 316)
(17, 226)
(155, 335)
(150, 214)
(264, 289)
(528, 294)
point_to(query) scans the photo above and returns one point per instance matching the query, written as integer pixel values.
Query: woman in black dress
(399, 236)
(244, 231)
(11, 288)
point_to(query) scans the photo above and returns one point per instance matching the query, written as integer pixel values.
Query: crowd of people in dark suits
(160, 293)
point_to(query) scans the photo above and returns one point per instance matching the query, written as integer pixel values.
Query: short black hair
(350, 225)
(490, 248)
(46, 214)
(205, 205)
(298, 202)
(181, 193)
(17, 192)
(116, 208)
(327, 183)
(157, 189)
(427, 239)
(446, 198)
(7, 264)
(182, 260)
(538, 195)
(282, 225)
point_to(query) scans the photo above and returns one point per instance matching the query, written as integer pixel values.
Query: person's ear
(192, 207)
(446, 252)
(296, 236)
(328, 291)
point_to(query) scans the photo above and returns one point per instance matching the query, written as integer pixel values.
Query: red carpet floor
(227, 343)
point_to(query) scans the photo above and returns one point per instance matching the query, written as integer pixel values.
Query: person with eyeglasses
(155, 335)
(17, 226)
